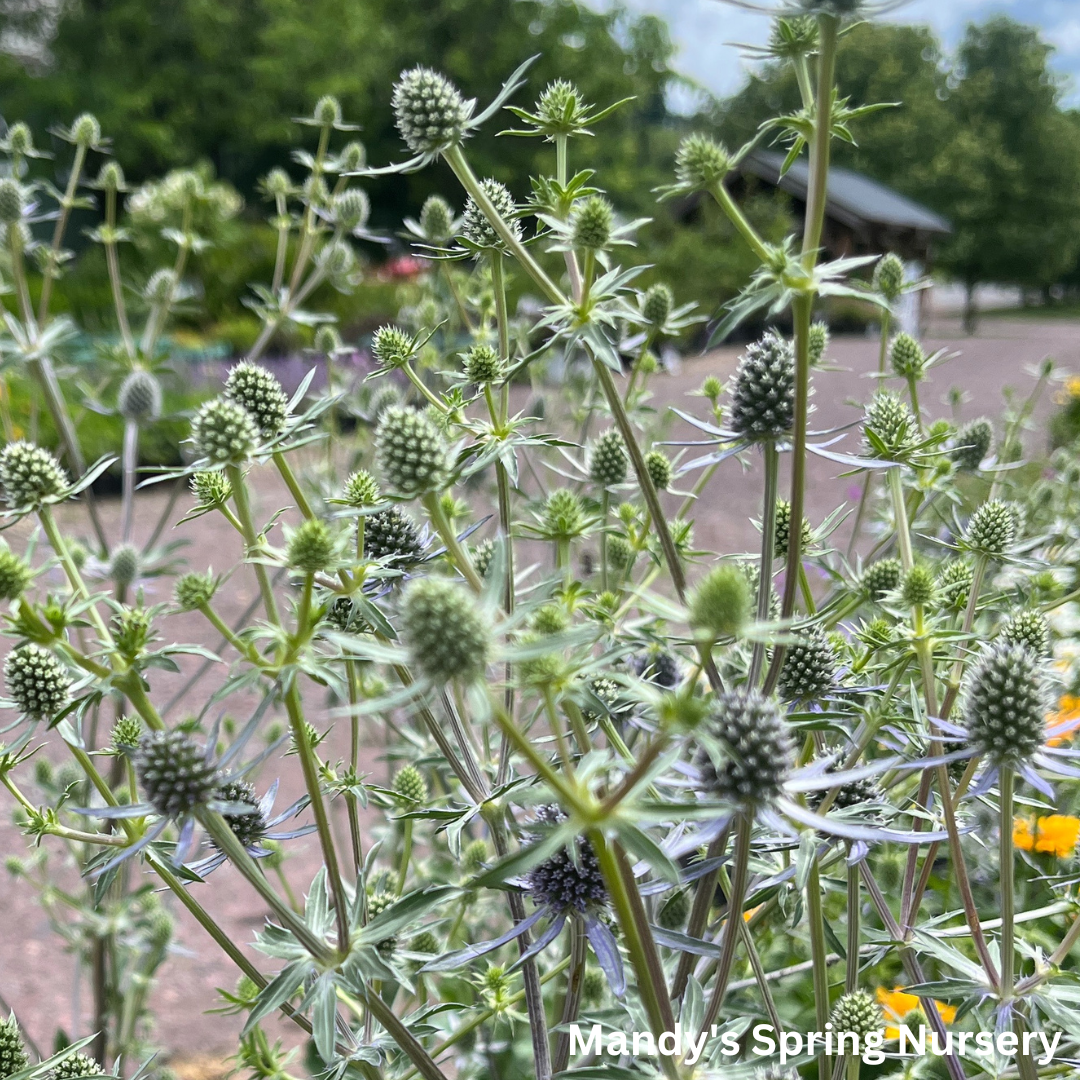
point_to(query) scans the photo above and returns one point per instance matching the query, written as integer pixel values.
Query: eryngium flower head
(392, 347)
(127, 732)
(15, 575)
(436, 219)
(86, 131)
(658, 466)
(907, 356)
(410, 784)
(889, 276)
(782, 533)
(817, 342)
(361, 489)
(351, 209)
(720, 603)
(344, 615)
(564, 515)
(224, 432)
(852, 793)
(700, 162)
(311, 546)
(672, 916)
(475, 226)
(260, 393)
(30, 474)
(75, 1068)
(881, 577)
(954, 584)
(918, 587)
(249, 825)
(1029, 629)
(991, 529)
(174, 773)
(593, 222)
(483, 365)
(210, 488)
(377, 903)
(810, 667)
(892, 422)
(19, 139)
(758, 749)
(972, 444)
(482, 555)
(446, 633)
(429, 111)
(657, 304)
(11, 201)
(392, 534)
(1005, 703)
(193, 590)
(857, 1013)
(620, 553)
(13, 1055)
(411, 452)
(608, 462)
(763, 391)
(37, 681)
(124, 564)
(140, 397)
(567, 880)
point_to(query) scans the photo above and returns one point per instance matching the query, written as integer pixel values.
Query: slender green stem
(900, 519)
(738, 219)
(353, 679)
(851, 969)
(66, 203)
(815, 917)
(295, 490)
(251, 541)
(771, 459)
(406, 855)
(1006, 872)
(572, 1000)
(828, 34)
(446, 533)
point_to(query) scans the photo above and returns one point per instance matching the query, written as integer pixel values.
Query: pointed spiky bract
(260, 393)
(810, 667)
(446, 633)
(1005, 704)
(392, 534)
(701, 162)
(248, 823)
(475, 226)
(13, 1055)
(37, 681)
(224, 432)
(889, 276)
(429, 111)
(608, 463)
(1029, 629)
(174, 774)
(857, 1013)
(881, 577)
(140, 397)
(991, 529)
(411, 452)
(672, 916)
(720, 604)
(30, 474)
(758, 750)
(567, 881)
(763, 389)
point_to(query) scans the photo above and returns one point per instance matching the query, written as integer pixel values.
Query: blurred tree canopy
(981, 137)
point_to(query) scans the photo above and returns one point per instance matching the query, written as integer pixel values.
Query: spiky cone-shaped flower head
(246, 819)
(563, 881)
(701, 162)
(410, 784)
(30, 474)
(436, 219)
(37, 681)
(351, 209)
(817, 342)
(15, 575)
(720, 603)
(482, 555)
(608, 463)
(392, 347)
(972, 444)
(593, 221)
(260, 393)
(19, 139)
(475, 226)
(857, 1013)
(377, 903)
(429, 111)
(361, 489)
(889, 276)
(890, 419)
(483, 365)
(127, 733)
(192, 590)
(852, 793)
(918, 587)
(76, 1067)
(446, 633)
(880, 577)
(224, 432)
(85, 131)
(411, 452)
(174, 774)
(991, 529)
(1005, 704)
(758, 750)
(620, 553)
(1029, 629)
(564, 515)
(954, 584)
(782, 535)
(124, 564)
(763, 389)
(658, 466)
(311, 547)
(392, 534)
(344, 615)
(210, 488)
(12, 200)
(657, 304)
(673, 915)
(907, 357)
(810, 667)
(13, 1055)
(139, 399)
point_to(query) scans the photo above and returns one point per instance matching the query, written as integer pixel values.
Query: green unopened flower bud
(13, 1055)
(210, 488)
(174, 773)
(311, 546)
(857, 1013)
(608, 462)
(620, 553)
(76, 1067)
(972, 444)
(37, 681)
(126, 733)
(159, 287)
(720, 604)
(393, 535)
(810, 667)
(411, 452)
(991, 529)
(782, 536)
(1029, 629)
(361, 489)
(140, 397)
(880, 578)
(1005, 704)
(701, 162)
(564, 515)
(483, 365)
(918, 588)
(132, 630)
(892, 422)
(124, 564)
(338, 261)
(327, 341)
(658, 466)
(672, 916)
(425, 942)
(550, 619)
(391, 346)
(889, 276)
(86, 131)
(15, 575)
(352, 209)
(657, 304)
(29, 474)
(12, 200)
(260, 393)
(558, 101)
(817, 342)
(447, 635)
(245, 816)
(193, 590)
(327, 111)
(429, 111)
(110, 176)
(410, 784)
(352, 157)
(20, 142)
(593, 222)
(224, 432)
(277, 183)
(954, 584)
(711, 388)
(476, 227)
(482, 555)
(473, 857)
(763, 389)
(907, 356)
(436, 219)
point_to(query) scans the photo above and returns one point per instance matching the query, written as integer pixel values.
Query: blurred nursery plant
(630, 783)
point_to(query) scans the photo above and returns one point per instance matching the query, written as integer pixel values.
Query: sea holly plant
(560, 767)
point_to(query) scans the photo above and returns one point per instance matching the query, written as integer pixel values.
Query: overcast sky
(702, 30)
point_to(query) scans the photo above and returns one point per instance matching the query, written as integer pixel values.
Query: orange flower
(1063, 724)
(1056, 834)
(898, 1004)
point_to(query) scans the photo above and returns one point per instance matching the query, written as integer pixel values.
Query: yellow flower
(1070, 391)
(1056, 834)
(1064, 723)
(898, 1004)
